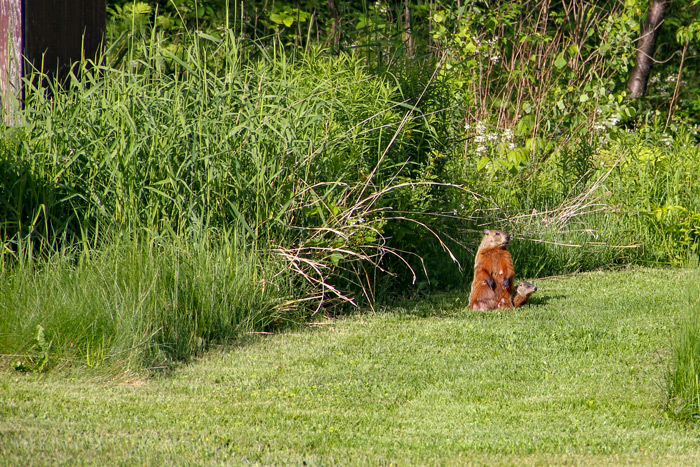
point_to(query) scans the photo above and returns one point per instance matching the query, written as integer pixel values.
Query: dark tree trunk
(637, 83)
(335, 30)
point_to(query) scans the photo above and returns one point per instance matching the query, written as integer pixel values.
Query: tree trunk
(407, 30)
(10, 58)
(335, 30)
(637, 83)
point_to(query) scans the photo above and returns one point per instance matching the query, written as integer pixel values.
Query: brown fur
(492, 286)
(522, 293)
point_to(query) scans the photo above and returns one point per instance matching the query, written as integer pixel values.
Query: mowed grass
(577, 378)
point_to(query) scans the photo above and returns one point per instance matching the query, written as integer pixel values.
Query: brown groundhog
(492, 286)
(522, 293)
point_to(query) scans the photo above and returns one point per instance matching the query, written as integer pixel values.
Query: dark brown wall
(53, 32)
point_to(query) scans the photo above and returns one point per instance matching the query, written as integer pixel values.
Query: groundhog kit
(492, 286)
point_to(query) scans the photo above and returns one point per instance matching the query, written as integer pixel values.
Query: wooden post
(51, 35)
(10, 57)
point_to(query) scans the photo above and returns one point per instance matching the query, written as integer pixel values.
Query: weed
(35, 364)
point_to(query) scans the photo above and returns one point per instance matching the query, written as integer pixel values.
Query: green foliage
(133, 305)
(35, 363)
(290, 159)
(253, 143)
(535, 85)
(673, 83)
(368, 166)
(684, 373)
(655, 186)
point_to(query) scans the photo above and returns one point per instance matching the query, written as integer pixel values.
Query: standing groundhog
(522, 293)
(492, 286)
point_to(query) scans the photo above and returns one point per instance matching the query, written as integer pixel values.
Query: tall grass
(203, 139)
(248, 193)
(133, 304)
(684, 372)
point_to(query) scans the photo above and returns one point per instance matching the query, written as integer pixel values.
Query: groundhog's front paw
(491, 283)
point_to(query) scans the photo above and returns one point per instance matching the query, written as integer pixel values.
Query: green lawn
(577, 378)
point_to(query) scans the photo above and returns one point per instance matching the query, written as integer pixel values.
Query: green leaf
(517, 156)
(525, 125)
(141, 8)
(209, 38)
(336, 258)
(560, 62)
(174, 57)
(164, 21)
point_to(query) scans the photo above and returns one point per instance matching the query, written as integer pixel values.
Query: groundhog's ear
(487, 231)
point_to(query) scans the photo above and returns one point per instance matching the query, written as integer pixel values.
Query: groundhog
(492, 286)
(522, 293)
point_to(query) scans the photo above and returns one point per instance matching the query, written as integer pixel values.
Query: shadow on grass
(451, 304)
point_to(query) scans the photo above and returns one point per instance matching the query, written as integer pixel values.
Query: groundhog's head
(494, 239)
(525, 289)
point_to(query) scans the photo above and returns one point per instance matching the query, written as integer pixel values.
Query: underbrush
(131, 305)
